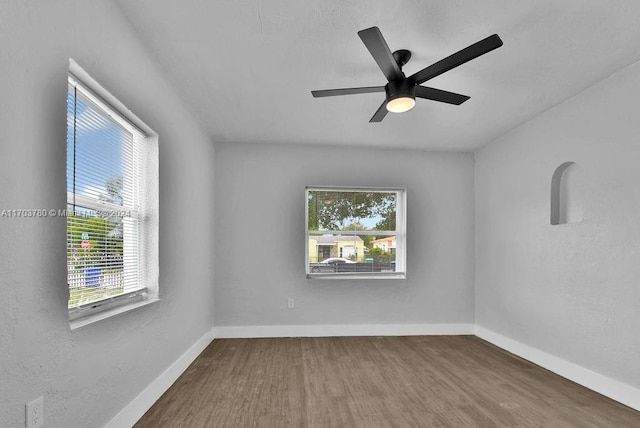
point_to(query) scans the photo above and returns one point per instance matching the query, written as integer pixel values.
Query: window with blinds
(106, 201)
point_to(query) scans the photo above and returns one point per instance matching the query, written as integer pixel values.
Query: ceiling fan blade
(346, 91)
(373, 40)
(380, 113)
(440, 95)
(458, 58)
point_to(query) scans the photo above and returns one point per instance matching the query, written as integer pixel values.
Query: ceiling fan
(401, 91)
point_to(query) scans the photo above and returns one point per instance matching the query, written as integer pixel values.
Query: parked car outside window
(336, 260)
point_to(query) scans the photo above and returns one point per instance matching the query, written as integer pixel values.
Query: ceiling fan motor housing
(404, 88)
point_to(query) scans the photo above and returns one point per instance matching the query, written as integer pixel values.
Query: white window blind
(105, 205)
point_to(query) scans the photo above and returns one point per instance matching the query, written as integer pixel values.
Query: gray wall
(569, 290)
(88, 375)
(260, 237)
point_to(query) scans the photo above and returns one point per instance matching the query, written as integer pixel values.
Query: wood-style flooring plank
(415, 381)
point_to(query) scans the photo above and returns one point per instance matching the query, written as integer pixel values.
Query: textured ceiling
(246, 68)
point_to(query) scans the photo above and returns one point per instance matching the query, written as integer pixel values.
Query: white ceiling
(246, 68)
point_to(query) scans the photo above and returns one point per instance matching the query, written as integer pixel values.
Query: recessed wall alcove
(566, 195)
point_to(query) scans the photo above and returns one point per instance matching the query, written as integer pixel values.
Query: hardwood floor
(415, 381)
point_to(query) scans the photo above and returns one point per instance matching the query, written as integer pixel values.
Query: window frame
(146, 212)
(399, 233)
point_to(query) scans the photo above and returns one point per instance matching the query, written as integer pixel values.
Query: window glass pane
(102, 239)
(351, 210)
(331, 253)
(98, 151)
(94, 256)
(355, 232)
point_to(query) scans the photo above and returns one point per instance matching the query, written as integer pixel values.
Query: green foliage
(105, 239)
(381, 256)
(105, 234)
(355, 226)
(359, 226)
(388, 214)
(330, 210)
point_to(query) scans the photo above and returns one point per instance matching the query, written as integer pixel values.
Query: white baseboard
(606, 386)
(143, 402)
(342, 330)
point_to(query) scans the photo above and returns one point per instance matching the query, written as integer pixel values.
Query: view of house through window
(104, 194)
(355, 231)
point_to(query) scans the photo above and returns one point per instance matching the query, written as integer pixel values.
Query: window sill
(324, 276)
(99, 316)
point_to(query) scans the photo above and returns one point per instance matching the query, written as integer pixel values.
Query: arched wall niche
(566, 197)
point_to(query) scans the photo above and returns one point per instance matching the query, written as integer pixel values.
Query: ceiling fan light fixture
(401, 105)
(401, 96)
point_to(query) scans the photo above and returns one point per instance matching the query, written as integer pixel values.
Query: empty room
(280, 213)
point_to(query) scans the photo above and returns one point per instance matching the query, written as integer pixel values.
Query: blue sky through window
(99, 149)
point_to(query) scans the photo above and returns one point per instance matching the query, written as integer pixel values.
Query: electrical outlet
(290, 303)
(35, 413)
